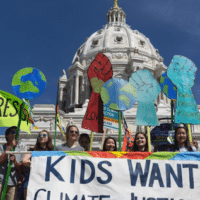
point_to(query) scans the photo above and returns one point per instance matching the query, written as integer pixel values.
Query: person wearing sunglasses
(43, 143)
(13, 180)
(72, 134)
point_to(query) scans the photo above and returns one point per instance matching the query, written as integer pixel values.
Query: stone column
(71, 99)
(61, 94)
(110, 18)
(76, 89)
(87, 88)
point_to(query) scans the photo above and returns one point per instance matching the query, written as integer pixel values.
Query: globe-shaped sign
(29, 83)
(167, 87)
(118, 94)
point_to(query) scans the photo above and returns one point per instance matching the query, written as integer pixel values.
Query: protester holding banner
(13, 180)
(140, 142)
(72, 134)
(84, 141)
(44, 143)
(110, 144)
(181, 140)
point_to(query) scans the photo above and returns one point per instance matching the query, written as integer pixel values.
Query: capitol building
(128, 51)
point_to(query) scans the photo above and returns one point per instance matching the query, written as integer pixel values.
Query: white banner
(87, 178)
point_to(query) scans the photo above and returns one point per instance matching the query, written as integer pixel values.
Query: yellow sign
(9, 112)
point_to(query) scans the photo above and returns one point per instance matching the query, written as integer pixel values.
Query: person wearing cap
(181, 143)
(72, 134)
(13, 180)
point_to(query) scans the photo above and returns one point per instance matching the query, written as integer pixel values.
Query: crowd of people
(20, 171)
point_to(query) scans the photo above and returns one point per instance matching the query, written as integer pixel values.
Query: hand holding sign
(147, 91)
(182, 71)
(99, 72)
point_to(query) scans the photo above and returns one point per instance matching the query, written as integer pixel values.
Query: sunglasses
(13, 132)
(42, 135)
(71, 131)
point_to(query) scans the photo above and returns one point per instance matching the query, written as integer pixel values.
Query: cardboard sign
(167, 87)
(29, 83)
(147, 91)
(182, 71)
(110, 118)
(62, 176)
(99, 72)
(163, 134)
(118, 94)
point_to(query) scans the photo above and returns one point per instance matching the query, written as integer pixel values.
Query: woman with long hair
(72, 134)
(43, 143)
(140, 142)
(181, 140)
(110, 144)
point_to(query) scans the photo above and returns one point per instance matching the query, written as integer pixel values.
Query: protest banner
(104, 175)
(9, 112)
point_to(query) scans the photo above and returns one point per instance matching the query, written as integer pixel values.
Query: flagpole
(149, 139)
(120, 131)
(13, 149)
(56, 113)
(91, 140)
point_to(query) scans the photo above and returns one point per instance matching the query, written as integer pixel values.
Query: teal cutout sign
(118, 94)
(29, 83)
(182, 71)
(147, 91)
(167, 87)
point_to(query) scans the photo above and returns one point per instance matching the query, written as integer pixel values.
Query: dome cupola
(116, 15)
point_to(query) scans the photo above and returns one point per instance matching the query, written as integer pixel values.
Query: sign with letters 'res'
(58, 176)
(9, 112)
(110, 118)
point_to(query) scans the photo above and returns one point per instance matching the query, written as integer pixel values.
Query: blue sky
(45, 34)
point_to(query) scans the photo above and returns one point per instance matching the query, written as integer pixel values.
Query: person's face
(181, 136)
(140, 140)
(72, 134)
(84, 142)
(110, 145)
(11, 135)
(43, 137)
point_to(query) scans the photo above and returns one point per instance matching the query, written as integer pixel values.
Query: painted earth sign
(29, 83)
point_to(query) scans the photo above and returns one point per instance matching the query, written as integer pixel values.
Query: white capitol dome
(128, 50)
